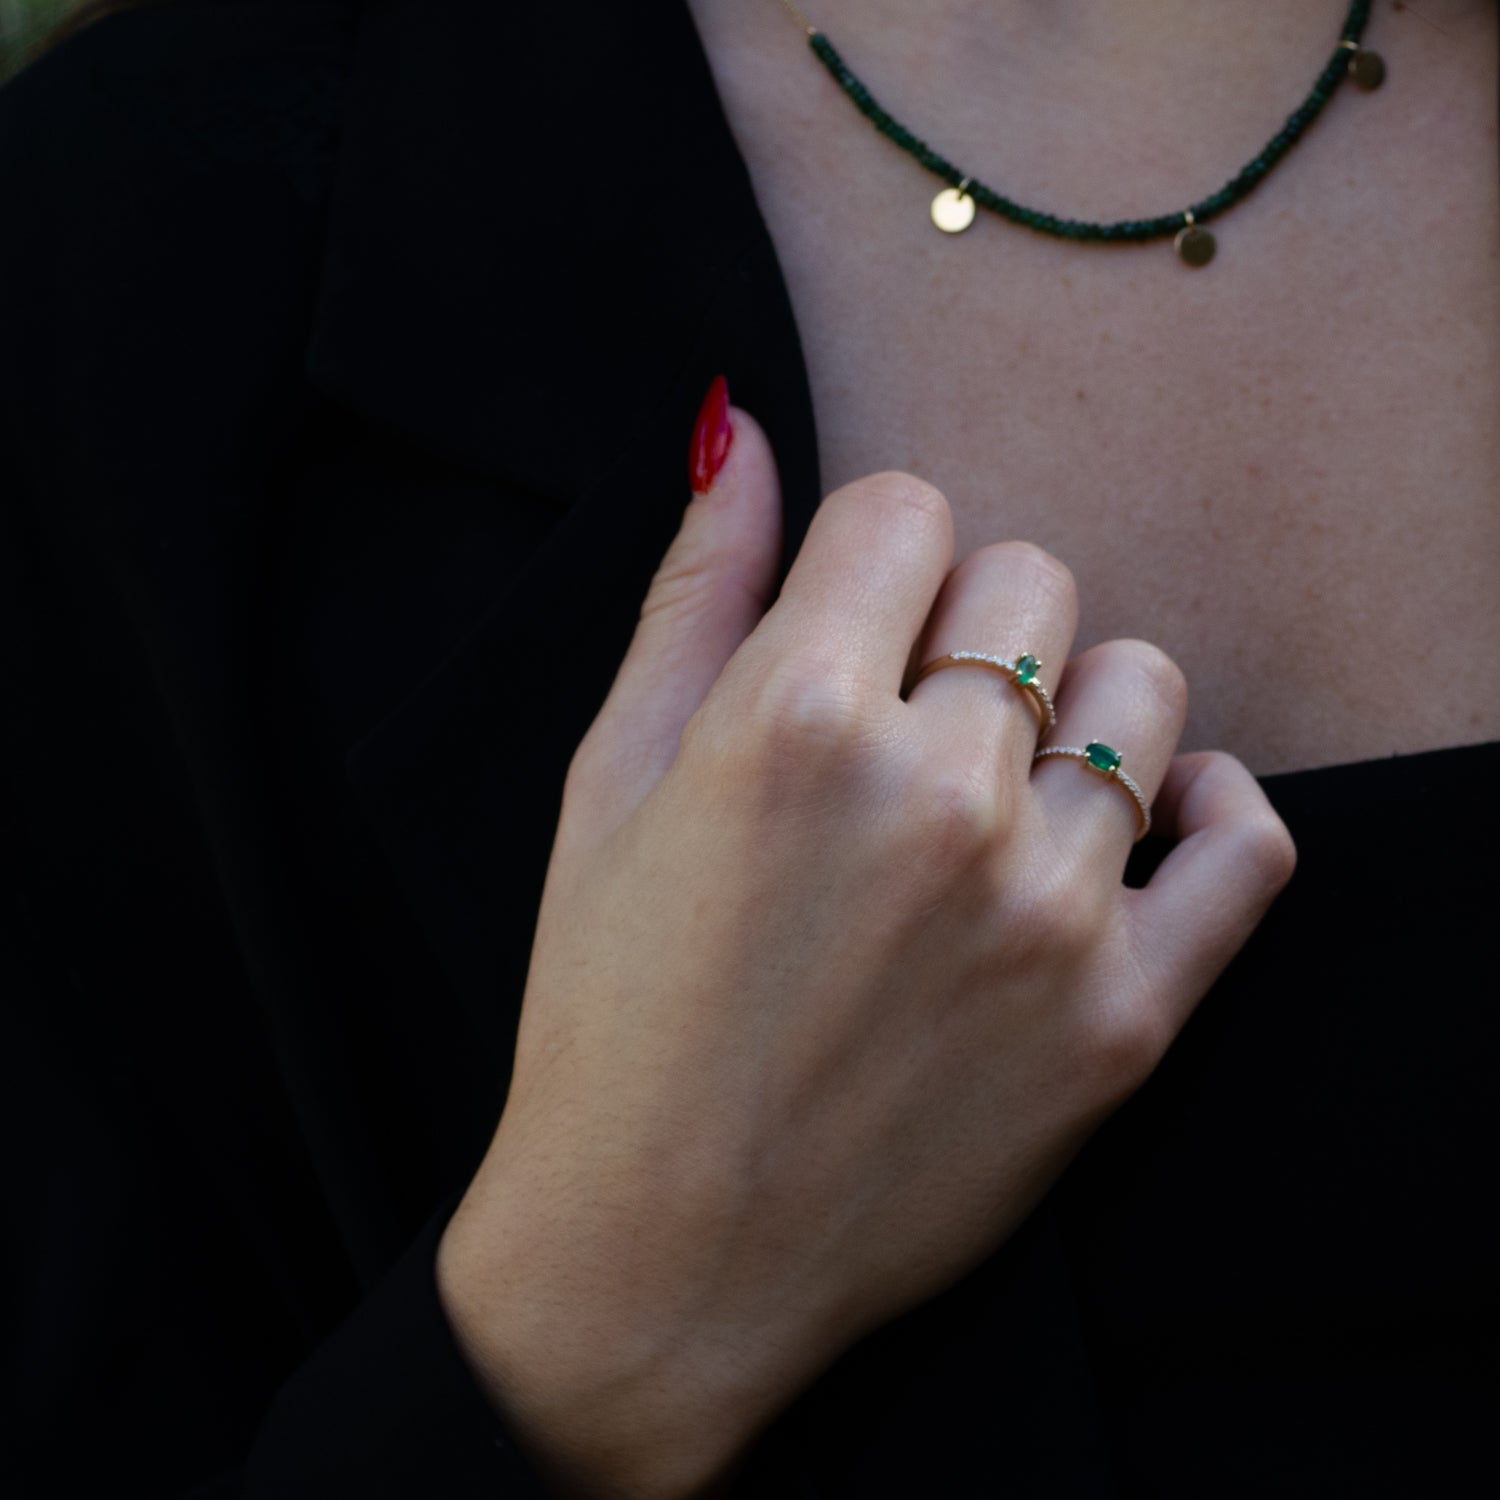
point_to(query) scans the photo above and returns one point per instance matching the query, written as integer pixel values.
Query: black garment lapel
(537, 223)
(535, 272)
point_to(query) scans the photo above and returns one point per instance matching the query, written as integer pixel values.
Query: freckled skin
(1301, 434)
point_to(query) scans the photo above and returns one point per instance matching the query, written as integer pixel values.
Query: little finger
(1233, 855)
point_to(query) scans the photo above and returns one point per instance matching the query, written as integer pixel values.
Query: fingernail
(712, 435)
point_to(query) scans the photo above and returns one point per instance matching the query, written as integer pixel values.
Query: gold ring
(1022, 672)
(1101, 758)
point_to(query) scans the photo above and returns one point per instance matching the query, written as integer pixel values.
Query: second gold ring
(1022, 671)
(1106, 761)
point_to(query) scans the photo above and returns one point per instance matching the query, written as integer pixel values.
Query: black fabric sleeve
(187, 1282)
(387, 1407)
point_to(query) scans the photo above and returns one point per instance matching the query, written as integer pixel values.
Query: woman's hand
(828, 986)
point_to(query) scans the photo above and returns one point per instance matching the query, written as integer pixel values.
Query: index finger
(862, 585)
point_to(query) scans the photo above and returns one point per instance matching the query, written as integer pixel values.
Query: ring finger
(1120, 711)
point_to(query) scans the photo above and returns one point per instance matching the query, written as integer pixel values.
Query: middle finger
(1006, 600)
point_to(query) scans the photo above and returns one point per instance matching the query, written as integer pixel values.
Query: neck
(1126, 103)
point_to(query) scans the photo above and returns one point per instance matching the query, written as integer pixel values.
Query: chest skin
(1284, 468)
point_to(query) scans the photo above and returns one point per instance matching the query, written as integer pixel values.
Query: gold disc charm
(953, 209)
(1367, 69)
(1194, 245)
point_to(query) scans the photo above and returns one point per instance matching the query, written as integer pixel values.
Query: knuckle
(708, 733)
(1122, 1047)
(903, 499)
(580, 770)
(1056, 914)
(1263, 844)
(953, 817)
(586, 775)
(1049, 574)
(802, 712)
(1267, 850)
(589, 754)
(1159, 677)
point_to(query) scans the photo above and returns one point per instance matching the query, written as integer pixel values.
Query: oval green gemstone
(1101, 757)
(1026, 669)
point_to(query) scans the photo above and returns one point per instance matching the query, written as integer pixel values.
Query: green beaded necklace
(953, 209)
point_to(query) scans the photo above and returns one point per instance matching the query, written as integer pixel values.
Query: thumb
(709, 593)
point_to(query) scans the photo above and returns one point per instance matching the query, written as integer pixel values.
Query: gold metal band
(799, 18)
(1022, 672)
(1109, 772)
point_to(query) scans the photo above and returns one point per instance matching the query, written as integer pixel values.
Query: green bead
(1101, 757)
(1026, 669)
(1132, 229)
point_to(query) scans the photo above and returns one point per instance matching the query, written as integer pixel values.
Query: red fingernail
(712, 436)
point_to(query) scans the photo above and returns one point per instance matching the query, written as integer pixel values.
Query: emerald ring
(1022, 671)
(1106, 761)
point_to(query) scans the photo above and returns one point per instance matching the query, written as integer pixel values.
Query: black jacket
(348, 356)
